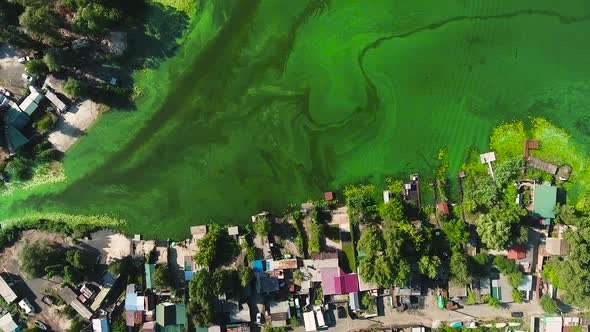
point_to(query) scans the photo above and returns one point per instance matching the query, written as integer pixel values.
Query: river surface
(275, 101)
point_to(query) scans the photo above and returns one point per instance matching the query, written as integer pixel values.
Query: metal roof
(544, 200)
(6, 291)
(7, 323)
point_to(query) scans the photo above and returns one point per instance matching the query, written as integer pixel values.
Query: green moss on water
(270, 102)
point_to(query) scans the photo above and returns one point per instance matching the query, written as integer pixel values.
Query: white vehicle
(26, 306)
(259, 318)
(22, 60)
(26, 77)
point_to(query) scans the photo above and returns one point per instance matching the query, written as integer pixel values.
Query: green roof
(16, 137)
(180, 314)
(16, 117)
(170, 316)
(149, 275)
(544, 200)
(202, 329)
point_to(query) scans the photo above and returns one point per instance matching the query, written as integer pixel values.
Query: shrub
(548, 304)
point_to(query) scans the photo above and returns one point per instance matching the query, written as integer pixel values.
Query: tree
(429, 265)
(34, 257)
(361, 203)
(247, 275)
(53, 59)
(459, 268)
(78, 324)
(95, 18)
(262, 227)
(551, 271)
(515, 279)
(548, 304)
(162, 277)
(500, 227)
(371, 241)
(517, 296)
(393, 210)
(505, 265)
(36, 68)
(215, 248)
(74, 88)
(508, 171)
(479, 192)
(22, 167)
(41, 22)
(456, 231)
(201, 296)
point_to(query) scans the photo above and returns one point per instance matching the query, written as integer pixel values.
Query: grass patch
(189, 7)
(348, 250)
(333, 233)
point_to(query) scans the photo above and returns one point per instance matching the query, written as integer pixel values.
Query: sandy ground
(73, 124)
(118, 246)
(11, 70)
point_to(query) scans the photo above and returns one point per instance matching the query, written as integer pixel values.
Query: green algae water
(273, 101)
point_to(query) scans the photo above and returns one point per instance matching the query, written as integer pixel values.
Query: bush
(36, 68)
(494, 303)
(517, 296)
(75, 88)
(548, 304)
(35, 257)
(262, 227)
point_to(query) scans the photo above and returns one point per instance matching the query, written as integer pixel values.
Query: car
(26, 306)
(259, 318)
(517, 314)
(26, 77)
(41, 325)
(22, 59)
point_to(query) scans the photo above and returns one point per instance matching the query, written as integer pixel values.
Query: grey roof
(6, 291)
(54, 99)
(556, 247)
(7, 323)
(81, 309)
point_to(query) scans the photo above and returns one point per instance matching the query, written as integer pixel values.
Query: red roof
(443, 208)
(335, 281)
(517, 251)
(328, 196)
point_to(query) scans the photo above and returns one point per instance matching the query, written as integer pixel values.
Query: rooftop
(6, 291)
(544, 200)
(556, 247)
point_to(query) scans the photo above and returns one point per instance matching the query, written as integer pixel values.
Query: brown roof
(199, 230)
(529, 144)
(324, 255)
(6, 291)
(556, 247)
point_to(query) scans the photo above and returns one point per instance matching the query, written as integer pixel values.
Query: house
(6, 290)
(552, 324)
(279, 313)
(100, 325)
(150, 269)
(282, 264)
(457, 290)
(544, 200)
(311, 269)
(556, 247)
(266, 284)
(329, 196)
(31, 102)
(335, 281)
(15, 120)
(171, 317)
(198, 232)
(69, 297)
(7, 324)
(134, 306)
(501, 289)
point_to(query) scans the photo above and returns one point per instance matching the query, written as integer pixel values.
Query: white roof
(28, 105)
(386, 196)
(54, 99)
(234, 230)
(487, 157)
(553, 324)
(309, 320)
(6, 291)
(7, 324)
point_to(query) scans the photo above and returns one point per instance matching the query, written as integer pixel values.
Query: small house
(198, 232)
(150, 269)
(279, 313)
(386, 196)
(501, 289)
(55, 101)
(544, 201)
(443, 208)
(171, 317)
(309, 320)
(527, 286)
(517, 251)
(100, 325)
(31, 102)
(354, 302)
(335, 281)
(233, 231)
(329, 196)
(488, 158)
(149, 327)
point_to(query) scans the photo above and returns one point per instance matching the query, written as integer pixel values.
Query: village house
(280, 313)
(70, 298)
(134, 306)
(6, 291)
(544, 201)
(501, 289)
(171, 317)
(100, 325)
(7, 324)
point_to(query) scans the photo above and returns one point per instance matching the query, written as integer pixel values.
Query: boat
(456, 324)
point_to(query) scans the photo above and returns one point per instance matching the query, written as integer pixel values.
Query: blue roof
(149, 275)
(258, 266)
(189, 275)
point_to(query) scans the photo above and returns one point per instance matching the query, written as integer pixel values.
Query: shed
(443, 208)
(556, 247)
(542, 165)
(354, 302)
(544, 200)
(54, 99)
(258, 266)
(233, 231)
(329, 196)
(386, 196)
(487, 157)
(198, 232)
(457, 289)
(29, 105)
(7, 324)
(553, 324)
(6, 291)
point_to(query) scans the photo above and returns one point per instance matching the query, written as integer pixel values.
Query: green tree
(53, 59)
(247, 275)
(262, 227)
(501, 227)
(459, 268)
(456, 231)
(505, 265)
(515, 279)
(551, 271)
(361, 203)
(21, 167)
(74, 88)
(78, 324)
(215, 248)
(371, 241)
(429, 265)
(201, 296)
(508, 171)
(162, 277)
(41, 22)
(36, 68)
(95, 18)
(548, 304)
(479, 192)
(393, 210)
(517, 296)
(494, 303)
(34, 257)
